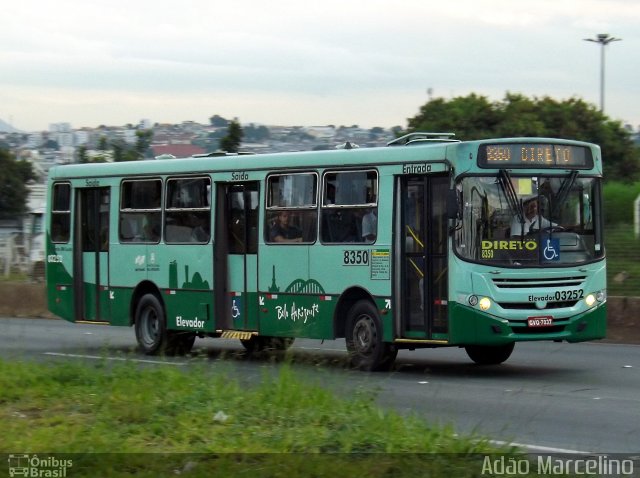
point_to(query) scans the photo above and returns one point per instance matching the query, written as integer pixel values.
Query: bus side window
(140, 210)
(350, 207)
(188, 210)
(292, 209)
(61, 212)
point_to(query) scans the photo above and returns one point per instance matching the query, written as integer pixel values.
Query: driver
(533, 221)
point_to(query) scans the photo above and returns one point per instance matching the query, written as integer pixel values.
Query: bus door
(91, 255)
(421, 252)
(236, 256)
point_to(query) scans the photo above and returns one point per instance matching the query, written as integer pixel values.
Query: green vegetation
(14, 175)
(623, 260)
(475, 117)
(622, 247)
(231, 142)
(618, 200)
(14, 277)
(208, 424)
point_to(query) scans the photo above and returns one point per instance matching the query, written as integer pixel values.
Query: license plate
(540, 321)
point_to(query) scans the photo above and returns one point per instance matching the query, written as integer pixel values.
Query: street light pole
(603, 39)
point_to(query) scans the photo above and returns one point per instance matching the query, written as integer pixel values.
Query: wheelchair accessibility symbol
(551, 251)
(236, 307)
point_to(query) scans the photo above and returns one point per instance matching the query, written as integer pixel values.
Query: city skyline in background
(310, 63)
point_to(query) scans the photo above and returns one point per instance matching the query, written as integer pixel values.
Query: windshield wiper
(504, 179)
(563, 192)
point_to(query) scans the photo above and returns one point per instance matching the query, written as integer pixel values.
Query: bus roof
(415, 152)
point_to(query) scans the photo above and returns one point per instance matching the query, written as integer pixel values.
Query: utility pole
(603, 39)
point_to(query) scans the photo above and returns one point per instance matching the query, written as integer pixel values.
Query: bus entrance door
(422, 251)
(91, 255)
(238, 241)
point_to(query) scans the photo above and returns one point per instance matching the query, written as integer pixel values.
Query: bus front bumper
(471, 326)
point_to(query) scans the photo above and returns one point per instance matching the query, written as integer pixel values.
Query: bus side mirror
(453, 204)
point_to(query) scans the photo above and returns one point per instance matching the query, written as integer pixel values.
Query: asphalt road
(548, 397)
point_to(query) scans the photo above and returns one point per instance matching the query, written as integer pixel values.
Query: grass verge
(126, 419)
(623, 260)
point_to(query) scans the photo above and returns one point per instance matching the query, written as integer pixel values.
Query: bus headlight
(601, 295)
(485, 303)
(590, 300)
(473, 300)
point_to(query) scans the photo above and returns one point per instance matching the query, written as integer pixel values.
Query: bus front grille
(532, 305)
(533, 283)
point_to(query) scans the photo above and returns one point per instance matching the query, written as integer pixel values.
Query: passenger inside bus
(369, 226)
(282, 231)
(341, 225)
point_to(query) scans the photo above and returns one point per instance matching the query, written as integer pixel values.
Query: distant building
(177, 150)
(321, 132)
(34, 140)
(129, 135)
(60, 128)
(145, 123)
(82, 137)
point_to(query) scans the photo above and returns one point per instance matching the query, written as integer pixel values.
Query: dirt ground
(29, 300)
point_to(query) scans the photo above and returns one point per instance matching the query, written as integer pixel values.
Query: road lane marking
(117, 359)
(540, 448)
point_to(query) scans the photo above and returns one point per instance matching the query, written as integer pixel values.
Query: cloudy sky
(304, 62)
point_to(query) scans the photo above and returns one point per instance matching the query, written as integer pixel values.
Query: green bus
(428, 242)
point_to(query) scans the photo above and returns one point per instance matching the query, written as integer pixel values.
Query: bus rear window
(61, 212)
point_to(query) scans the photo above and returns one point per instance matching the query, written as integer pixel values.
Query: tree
(253, 133)
(231, 142)
(103, 143)
(82, 154)
(13, 189)
(475, 117)
(143, 141)
(218, 121)
(470, 117)
(51, 144)
(119, 150)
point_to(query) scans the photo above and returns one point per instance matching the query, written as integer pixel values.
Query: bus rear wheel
(363, 337)
(489, 354)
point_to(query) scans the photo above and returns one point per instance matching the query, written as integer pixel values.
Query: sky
(304, 62)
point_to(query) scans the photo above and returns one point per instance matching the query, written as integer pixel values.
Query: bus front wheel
(363, 337)
(489, 354)
(151, 326)
(151, 330)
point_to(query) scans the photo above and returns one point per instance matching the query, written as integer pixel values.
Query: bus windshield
(528, 221)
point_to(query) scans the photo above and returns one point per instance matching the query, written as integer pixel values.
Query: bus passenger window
(370, 225)
(61, 212)
(292, 209)
(188, 210)
(350, 207)
(140, 211)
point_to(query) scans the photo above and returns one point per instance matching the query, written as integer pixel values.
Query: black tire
(151, 330)
(363, 337)
(151, 325)
(180, 343)
(488, 354)
(258, 343)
